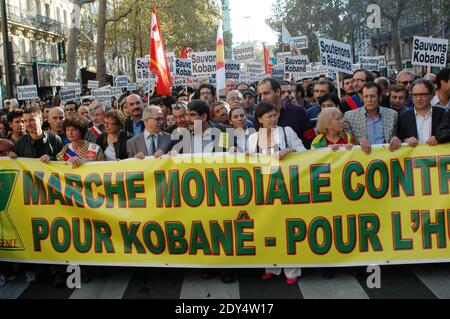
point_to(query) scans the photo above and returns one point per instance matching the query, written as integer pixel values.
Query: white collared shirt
(148, 139)
(424, 126)
(437, 102)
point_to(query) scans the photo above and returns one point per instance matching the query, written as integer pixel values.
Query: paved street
(417, 281)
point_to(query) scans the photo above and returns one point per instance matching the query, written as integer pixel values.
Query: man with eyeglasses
(373, 124)
(207, 93)
(360, 78)
(406, 79)
(153, 141)
(419, 125)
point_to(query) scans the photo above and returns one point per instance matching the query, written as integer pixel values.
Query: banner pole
(338, 82)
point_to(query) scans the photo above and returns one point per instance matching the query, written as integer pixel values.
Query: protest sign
(183, 68)
(27, 92)
(376, 210)
(121, 81)
(171, 57)
(92, 85)
(300, 42)
(232, 70)
(336, 56)
(371, 63)
(203, 63)
(245, 53)
(104, 94)
(430, 52)
(131, 87)
(67, 95)
(75, 86)
(295, 64)
(278, 72)
(142, 69)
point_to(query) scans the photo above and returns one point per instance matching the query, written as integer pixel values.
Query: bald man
(55, 119)
(134, 124)
(153, 141)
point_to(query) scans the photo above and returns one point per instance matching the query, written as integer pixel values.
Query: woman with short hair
(113, 141)
(279, 142)
(78, 151)
(331, 129)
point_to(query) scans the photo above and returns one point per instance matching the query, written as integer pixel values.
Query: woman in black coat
(114, 140)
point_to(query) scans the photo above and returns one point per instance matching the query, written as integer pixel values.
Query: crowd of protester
(269, 117)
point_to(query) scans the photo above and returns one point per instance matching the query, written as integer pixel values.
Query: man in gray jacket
(153, 141)
(373, 124)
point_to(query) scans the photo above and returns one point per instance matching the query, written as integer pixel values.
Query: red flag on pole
(267, 63)
(158, 60)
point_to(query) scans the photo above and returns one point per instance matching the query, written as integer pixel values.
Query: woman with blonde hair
(331, 129)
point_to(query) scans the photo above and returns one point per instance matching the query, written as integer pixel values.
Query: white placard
(67, 95)
(232, 70)
(131, 87)
(430, 52)
(255, 68)
(116, 91)
(278, 73)
(142, 69)
(92, 85)
(105, 95)
(203, 63)
(295, 64)
(300, 42)
(183, 68)
(244, 53)
(27, 92)
(73, 86)
(121, 81)
(336, 56)
(171, 57)
(371, 63)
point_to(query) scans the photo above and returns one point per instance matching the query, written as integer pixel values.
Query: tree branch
(123, 15)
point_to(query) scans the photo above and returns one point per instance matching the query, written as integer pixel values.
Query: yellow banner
(311, 209)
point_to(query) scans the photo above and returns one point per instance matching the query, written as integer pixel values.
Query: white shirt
(110, 153)
(436, 102)
(291, 141)
(424, 126)
(148, 140)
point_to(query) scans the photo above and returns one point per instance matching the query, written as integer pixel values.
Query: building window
(47, 10)
(54, 52)
(58, 14)
(43, 52)
(23, 51)
(65, 17)
(38, 7)
(33, 50)
(29, 5)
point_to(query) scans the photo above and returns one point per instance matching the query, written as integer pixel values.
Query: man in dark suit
(418, 125)
(134, 124)
(152, 142)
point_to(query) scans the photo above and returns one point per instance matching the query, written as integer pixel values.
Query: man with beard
(134, 124)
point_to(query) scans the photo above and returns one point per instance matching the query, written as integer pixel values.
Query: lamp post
(6, 49)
